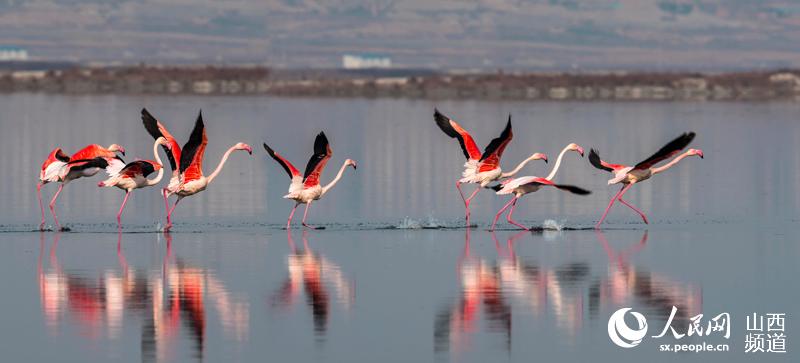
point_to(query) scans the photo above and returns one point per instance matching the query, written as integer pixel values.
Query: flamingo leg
(614, 199)
(644, 217)
(53, 206)
(500, 212)
(305, 213)
(119, 214)
(41, 206)
(166, 205)
(169, 215)
(469, 200)
(289, 222)
(511, 212)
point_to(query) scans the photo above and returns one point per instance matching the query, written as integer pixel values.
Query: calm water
(231, 285)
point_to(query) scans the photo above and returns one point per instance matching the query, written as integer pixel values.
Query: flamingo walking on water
(60, 168)
(187, 162)
(134, 176)
(305, 188)
(481, 169)
(630, 175)
(529, 184)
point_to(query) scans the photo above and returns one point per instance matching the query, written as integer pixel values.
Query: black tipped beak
(123, 153)
(701, 157)
(545, 161)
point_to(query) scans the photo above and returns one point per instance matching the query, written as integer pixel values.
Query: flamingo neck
(160, 174)
(221, 163)
(517, 169)
(670, 164)
(335, 180)
(557, 164)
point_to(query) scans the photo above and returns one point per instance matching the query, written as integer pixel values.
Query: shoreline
(408, 84)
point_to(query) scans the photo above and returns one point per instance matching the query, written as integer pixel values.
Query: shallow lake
(394, 276)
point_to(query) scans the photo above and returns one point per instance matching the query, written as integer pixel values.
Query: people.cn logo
(621, 334)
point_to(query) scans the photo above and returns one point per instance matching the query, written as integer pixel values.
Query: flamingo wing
(669, 150)
(570, 188)
(139, 167)
(595, 160)
(322, 153)
(94, 151)
(56, 155)
(193, 151)
(454, 130)
(290, 169)
(490, 159)
(156, 130)
(81, 164)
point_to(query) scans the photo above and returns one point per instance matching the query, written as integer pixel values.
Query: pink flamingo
(630, 175)
(306, 188)
(173, 151)
(529, 184)
(58, 167)
(481, 169)
(190, 178)
(134, 176)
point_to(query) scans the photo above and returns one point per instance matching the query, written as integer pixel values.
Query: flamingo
(58, 167)
(306, 188)
(190, 180)
(173, 151)
(630, 175)
(134, 176)
(481, 169)
(529, 184)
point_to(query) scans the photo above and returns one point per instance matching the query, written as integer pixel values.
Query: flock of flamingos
(188, 179)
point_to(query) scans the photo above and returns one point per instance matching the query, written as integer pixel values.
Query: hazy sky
(559, 34)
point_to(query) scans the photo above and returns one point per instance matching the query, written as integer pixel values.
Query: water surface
(230, 285)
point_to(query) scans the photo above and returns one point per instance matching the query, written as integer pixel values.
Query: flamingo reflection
(167, 300)
(569, 293)
(312, 273)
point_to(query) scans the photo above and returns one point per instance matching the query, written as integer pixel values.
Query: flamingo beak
(580, 151)
(700, 153)
(249, 149)
(544, 157)
(122, 150)
(355, 167)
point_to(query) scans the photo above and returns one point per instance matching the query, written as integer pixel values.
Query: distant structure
(363, 61)
(9, 53)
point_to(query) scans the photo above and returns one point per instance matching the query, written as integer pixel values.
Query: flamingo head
(351, 162)
(163, 141)
(539, 156)
(575, 147)
(245, 147)
(116, 148)
(697, 152)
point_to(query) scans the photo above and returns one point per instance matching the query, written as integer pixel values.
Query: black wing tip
(574, 189)
(496, 187)
(200, 117)
(594, 159)
(444, 124)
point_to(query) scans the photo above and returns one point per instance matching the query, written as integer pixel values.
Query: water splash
(553, 225)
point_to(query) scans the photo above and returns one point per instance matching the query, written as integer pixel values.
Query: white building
(13, 54)
(361, 61)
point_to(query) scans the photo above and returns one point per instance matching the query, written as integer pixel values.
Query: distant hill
(486, 34)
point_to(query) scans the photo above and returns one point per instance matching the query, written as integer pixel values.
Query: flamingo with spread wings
(481, 169)
(630, 175)
(189, 178)
(305, 188)
(529, 184)
(134, 176)
(58, 167)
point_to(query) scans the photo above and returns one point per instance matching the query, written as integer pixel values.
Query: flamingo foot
(167, 228)
(41, 226)
(312, 227)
